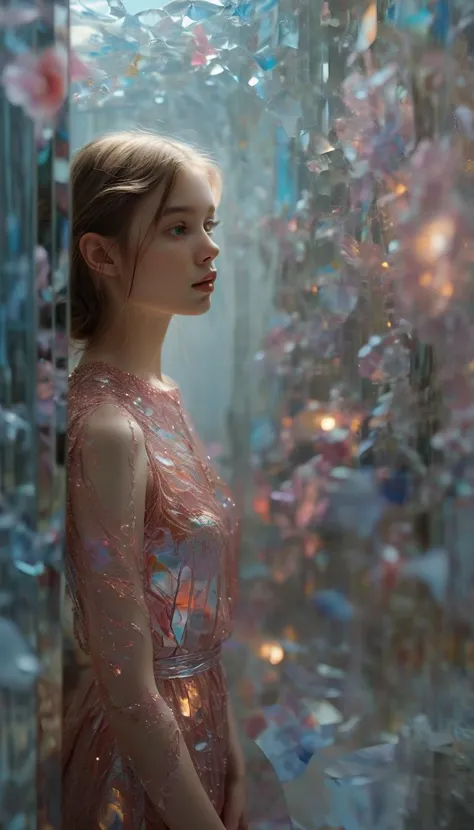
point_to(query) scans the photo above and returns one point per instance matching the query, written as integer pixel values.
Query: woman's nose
(211, 251)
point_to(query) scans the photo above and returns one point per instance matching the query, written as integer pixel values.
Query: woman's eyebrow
(185, 209)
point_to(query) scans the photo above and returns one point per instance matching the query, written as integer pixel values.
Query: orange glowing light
(435, 239)
(328, 423)
(426, 279)
(185, 707)
(447, 290)
(262, 508)
(273, 652)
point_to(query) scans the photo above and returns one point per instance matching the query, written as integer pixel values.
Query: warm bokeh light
(273, 652)
(435, 239)
(185, 707)
(328, 423)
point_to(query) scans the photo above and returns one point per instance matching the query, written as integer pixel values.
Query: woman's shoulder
(109, 423)
(113, 406)
(98, 405)
(109, 443)
(115, 434)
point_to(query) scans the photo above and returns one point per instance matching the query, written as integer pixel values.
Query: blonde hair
(111, 176)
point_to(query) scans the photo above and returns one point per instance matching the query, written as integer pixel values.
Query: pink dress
(182, 581)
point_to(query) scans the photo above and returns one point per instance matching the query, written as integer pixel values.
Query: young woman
(149, 739)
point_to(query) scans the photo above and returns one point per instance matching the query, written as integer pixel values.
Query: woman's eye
(179, 230)
(182, 230)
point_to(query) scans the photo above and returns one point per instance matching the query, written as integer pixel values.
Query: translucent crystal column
(33, 350)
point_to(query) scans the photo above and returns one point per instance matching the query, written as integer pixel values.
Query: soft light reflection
(447, 290)
(185, 707)
(328, 423)
(273, 652)
(427, 279)
(435, 239)
(190, 702)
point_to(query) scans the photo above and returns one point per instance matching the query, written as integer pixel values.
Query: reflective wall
(33, 374)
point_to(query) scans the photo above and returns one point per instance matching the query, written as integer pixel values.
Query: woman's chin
(201, 307)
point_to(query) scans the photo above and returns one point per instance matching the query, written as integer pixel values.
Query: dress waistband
(186, 665)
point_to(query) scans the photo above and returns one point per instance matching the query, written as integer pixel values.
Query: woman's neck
(135, 348)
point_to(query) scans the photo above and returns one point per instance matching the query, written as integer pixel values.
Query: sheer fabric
(151, 570)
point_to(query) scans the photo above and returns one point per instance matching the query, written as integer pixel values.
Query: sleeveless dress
(185, 591)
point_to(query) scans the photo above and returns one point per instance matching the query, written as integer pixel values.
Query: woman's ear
(100, 254)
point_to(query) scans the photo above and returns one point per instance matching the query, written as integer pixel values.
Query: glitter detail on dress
(157, 592)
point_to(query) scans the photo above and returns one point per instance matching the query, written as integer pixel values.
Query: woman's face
(174, 270)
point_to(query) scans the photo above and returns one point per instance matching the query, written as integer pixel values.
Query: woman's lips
(206, 285)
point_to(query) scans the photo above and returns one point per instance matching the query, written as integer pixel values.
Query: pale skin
(174, 255)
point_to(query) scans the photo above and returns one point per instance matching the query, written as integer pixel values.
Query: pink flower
(38, 83)
(203, 49)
